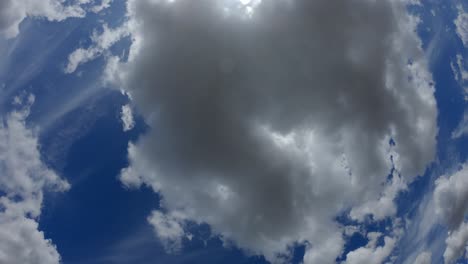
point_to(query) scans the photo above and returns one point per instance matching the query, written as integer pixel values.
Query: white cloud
(103, 5)
(384, 206)
(267, 127)
(101, 42)
(451, 204)
(424, 258)
(462, 128)
(451, 197)
(371, 253)
(460, 74)
(126, 116)
(461, 23)
(169, 229)
(22, 242)
(12, 12)
(457, 244)
(24, 179)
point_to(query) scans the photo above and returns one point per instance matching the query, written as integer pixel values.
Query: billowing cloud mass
(451, 203)
(12, 12)
(24, 178)
(269, 119)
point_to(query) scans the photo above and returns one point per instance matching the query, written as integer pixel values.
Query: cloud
(383, 207)
(451, 204)
(103, 5)
(451, 197)
(267, 124)
(457, 243)
(371, 253)
(424, 258)
(461, 23)
(12, 12)
(22, 185)
(169, 229)
(460, 74)
(101, 42)
(462, 128)
(127, 118)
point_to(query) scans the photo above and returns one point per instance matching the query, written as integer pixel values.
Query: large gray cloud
(268, 121)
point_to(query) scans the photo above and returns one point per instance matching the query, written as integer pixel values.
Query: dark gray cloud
(268, 123)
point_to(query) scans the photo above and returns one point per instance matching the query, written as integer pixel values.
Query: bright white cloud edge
(24, 180)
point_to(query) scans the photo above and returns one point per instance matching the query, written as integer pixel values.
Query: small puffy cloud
(101, 42)
(126, 116)
(424, 258)
(371, 253)
(451, 197)
(23, 182)
(169, 229)
(451, 204)
(12, 12)
(461, 23)
(268, 126)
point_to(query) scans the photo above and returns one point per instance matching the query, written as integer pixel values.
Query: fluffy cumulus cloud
(169, 229)
(270, 118)
(372, 253)
(451, 203)
(12, 12)
(24, 178)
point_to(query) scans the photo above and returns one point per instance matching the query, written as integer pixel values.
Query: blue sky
(170, 181)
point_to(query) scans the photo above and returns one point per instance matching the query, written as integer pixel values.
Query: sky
(233, 131)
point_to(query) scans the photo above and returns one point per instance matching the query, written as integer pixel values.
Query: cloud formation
(12, 12)
(270, 120)
(461, 23)
(424, 258)
(451, 204)
(126, 116)
(460, 74)
(372, 253)
(101, 42)
(24, 178)
(169, 229)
